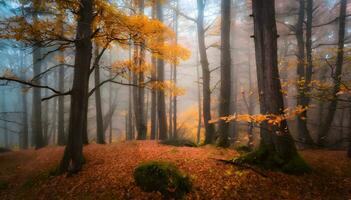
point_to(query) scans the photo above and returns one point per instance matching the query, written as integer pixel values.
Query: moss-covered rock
(265, 157)
(163, 177)
(179, 142)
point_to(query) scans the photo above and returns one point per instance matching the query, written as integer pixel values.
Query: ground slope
(109, 168)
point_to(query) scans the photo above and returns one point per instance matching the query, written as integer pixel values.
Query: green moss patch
(163, 177)
(266, 158)
(3, 185)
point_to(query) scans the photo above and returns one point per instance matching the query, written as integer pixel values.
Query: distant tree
(206, 74)
(302, 99)
(161, 104)
(324, 128)
(225, 90)
(100, 134)
(37, 129)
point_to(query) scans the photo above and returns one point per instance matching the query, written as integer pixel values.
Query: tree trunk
(234, 76)
(161, 107)
(276, 138)
(61, 136)
(175, 74)
(37, 130)
(153, 92)
(73, 156)
(198, 132)
(325, 127)
(251, 106)
(349, 136)
(302, 99)
(209, 128)
(100, 134)
(24, 132)
(130, 129)
(225, 90)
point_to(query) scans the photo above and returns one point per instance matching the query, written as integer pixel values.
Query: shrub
(163, 177)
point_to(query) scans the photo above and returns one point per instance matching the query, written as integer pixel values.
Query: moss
(243, 149)
(179, 142)
(163, 177)
(266, 158)
(3, 185)
(296, 165)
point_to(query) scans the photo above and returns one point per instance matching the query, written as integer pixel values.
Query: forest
(175, 99)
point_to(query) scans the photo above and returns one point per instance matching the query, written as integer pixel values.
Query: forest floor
(108, 174)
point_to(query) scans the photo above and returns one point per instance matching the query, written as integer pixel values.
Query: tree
(100, 134)
(206, 76)
(154, 126)
(276, 141)
(73, 156)
(225, 90)
(37, 129)
(161, 104)
(25, 131)
(61, 137)
(325, 126)
(302, 99)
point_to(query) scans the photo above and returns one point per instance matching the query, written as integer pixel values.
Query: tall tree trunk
(4, 122)
(170, 107)
(24, 131)
(161, 107)
(110, 103)
(251, 106)
(153, 101)
(153, 131)
(275, 138)
(37, 129)
(130, 129)
(61, 136)
(175, 74)
(209, 128)
(225, 90)
(73, 156)
(325, 127)
(302, 99)
(199, 123)
(100, 134)
(36, 107)
(234, 76)
(45, 110)
(349, 135)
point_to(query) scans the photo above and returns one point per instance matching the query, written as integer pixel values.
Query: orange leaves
(169, 87)
(272, 119)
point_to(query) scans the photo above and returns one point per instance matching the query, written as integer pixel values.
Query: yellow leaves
(169, 87)
(272, 119)
(9, 74)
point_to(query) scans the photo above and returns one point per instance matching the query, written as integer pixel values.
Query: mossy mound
(163, 177)
(243, 149)
(179, 142)
(3, 185)
(266, 158)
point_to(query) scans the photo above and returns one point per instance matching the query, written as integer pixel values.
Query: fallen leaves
(109, 168)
